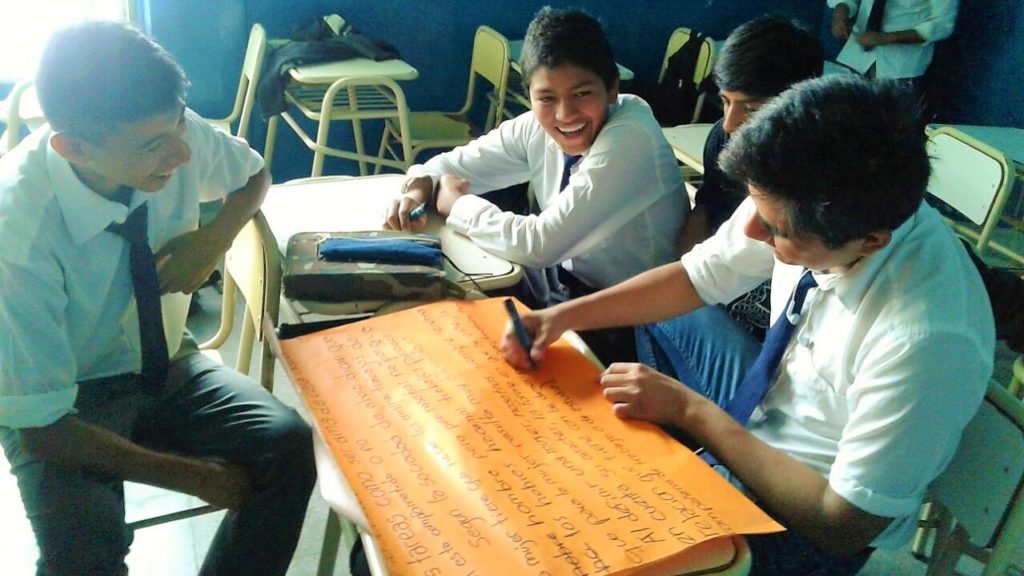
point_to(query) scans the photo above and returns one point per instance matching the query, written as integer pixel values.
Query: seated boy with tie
(92, 391)
(606, 183)
(882, 339)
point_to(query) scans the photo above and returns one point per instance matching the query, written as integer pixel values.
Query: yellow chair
(702, 69)
(245, 98)
(252, 272)
(973, 180)
(490, 62)
(977, 505)
(13, 115)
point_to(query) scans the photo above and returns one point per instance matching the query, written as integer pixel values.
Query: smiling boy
(606, 216)
(86, 400)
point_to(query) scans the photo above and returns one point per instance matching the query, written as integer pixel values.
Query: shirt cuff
(37, 410)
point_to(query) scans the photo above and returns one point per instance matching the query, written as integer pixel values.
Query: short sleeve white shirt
(66, 308)
(619, 215)
(889, 362)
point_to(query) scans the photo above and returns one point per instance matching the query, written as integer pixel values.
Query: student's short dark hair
(845, 156)
(763, 57)
(558, 37)
(96, 75)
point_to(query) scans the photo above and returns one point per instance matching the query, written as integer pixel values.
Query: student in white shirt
(619, 212)
(891, 352)
(80, 413)
(902, 46)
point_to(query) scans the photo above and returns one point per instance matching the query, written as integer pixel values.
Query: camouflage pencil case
(356, 266)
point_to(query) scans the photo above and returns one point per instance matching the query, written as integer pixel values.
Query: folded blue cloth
(380, 251)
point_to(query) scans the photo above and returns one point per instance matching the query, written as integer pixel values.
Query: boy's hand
(450, 189)
(540, 326)
(416, 192)
(841, 23)
(641, 393)
(223, 484)
(184, 263)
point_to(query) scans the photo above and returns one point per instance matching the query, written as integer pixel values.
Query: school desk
(355, 204)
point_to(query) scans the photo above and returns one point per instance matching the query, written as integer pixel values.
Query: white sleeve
(613, 183)
(225, 163)
(729, 263)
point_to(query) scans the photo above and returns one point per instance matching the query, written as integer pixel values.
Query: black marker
(521, 335)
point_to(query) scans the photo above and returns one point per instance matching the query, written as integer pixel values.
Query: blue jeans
(708, 351)
(205, 410)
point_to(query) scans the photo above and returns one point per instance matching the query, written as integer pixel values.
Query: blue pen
(517, 323)
(418, 212)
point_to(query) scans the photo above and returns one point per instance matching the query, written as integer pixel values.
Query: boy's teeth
(571, 128)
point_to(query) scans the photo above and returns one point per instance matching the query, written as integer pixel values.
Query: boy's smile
(571, 103)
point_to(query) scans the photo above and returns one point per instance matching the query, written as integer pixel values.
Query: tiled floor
(177, 549)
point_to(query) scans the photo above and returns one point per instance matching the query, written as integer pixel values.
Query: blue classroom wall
(436, 37)
(972, 77)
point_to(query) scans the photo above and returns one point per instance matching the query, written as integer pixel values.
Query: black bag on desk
(361, 266)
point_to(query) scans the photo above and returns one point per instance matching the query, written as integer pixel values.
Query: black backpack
(675, 97)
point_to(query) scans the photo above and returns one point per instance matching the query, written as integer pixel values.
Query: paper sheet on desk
(464, 466)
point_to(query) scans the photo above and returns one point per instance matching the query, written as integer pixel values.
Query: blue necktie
(147, 298)
(568, 161)
(762, 371)
(875, 16)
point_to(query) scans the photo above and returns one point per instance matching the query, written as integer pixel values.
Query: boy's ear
(69, 147)
(875, 241)
(613, 91)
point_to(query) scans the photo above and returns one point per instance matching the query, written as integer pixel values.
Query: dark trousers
(207, 411)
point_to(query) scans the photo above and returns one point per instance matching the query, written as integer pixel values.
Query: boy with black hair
(882, 339)
(93, 391)
(758, 61)
(609, 191)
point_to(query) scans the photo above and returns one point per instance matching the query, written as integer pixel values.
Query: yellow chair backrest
(705, 59)
(490, 61)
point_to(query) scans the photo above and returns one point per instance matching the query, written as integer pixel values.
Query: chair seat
(439, 126)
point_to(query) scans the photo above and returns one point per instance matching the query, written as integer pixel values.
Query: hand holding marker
(517, 324)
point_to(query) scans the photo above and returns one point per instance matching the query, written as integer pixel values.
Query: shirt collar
(850, 286)
(85, 212)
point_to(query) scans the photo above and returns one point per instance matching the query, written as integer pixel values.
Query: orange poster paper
(465, 466)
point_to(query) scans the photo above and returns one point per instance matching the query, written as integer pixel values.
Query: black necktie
(762, 371)
(568, 161)
(875, 16)
(147, 298)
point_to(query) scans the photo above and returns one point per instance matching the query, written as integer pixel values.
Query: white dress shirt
(66, 308)
(620, 214)
(889, 362)
(932, 19)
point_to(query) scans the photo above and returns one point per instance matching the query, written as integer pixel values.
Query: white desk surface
(687, 143)
(1009, 141)
(328, 72)
(355, 204)
(515, 48)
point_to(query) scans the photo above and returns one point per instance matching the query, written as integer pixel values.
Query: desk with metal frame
(354, 204)
(353, 90)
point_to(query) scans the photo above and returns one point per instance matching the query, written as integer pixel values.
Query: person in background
(892, 39)
(606, 182)
(759, 60)
(93, 391)
(882, 342)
